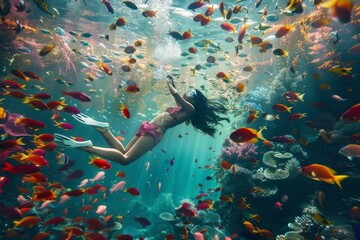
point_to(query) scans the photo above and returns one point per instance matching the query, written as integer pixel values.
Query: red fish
(132, 88)
(281, 108)
(296, 116)
(352, 114)
(247, 135)
(100, 163)
(30, 123)
(32, 75)
(11, 143)
(15, 94)
(21, 169)
(20, 74)
(55, 104)
(11, 84)
(42, 96)
(197, 4)
(82, 97)
(64, 125)
(132, 191)
(37, 104)
(125, 111)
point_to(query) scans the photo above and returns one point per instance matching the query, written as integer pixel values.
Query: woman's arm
(173, 84)
(186, 106)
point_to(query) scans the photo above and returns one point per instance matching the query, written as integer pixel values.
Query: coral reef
(293, 167)
(297, 149)
(276, 174)
(233, 152)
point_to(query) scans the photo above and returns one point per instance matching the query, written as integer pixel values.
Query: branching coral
(233, 152)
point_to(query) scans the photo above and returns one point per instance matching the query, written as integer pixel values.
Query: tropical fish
(322, 173)
(352, 114)
(350, 151)
(149, 13)
(43, 5)
(293, 96)
(108, 5)
(125, 111)
(100, 163)
(82, 97)
(281, 108)
(130, 4)
(197, 4)
(340, 70)
(47, 49)
(247, 135)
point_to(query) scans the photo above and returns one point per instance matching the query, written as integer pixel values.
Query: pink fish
(45, 204)
(3, 182)
(101, 210)
(83, 183)
(82, 97)
(63, 199)
(199, 236)
(118, 186)
(100, 175)
(338, 98)
(21, 200)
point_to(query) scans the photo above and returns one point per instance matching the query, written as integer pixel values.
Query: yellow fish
(340, 70)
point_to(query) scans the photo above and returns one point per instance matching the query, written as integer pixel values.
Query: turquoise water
(321, 63)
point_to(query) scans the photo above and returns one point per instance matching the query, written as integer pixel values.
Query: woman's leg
(111, 139)
(141, 146)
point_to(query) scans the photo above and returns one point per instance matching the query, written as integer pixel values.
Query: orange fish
(120, 174)
(222, 9)
(340, 9)
(186, 35)
(255, 217)
(240, 87)
(27, 222)
(250, 227)
(247, 135)
(105, 67)
(125, 111)
(322, 173)
(228, 27)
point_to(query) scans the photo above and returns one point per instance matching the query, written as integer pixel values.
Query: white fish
(147, 165)
(63, 199)
(99, 176)
(338, 98)
(83, 183)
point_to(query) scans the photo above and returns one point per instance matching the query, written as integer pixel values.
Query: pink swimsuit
(153, 130)
(173, 111)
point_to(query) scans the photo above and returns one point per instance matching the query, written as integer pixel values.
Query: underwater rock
(276, 174)
(239, 170)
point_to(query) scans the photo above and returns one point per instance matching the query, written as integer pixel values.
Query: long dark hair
(206, 113)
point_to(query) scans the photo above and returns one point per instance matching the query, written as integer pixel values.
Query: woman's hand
(171, 87)
(171, 79)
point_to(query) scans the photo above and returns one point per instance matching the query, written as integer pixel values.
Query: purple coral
(233, 152)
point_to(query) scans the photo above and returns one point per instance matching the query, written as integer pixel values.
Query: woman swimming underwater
(193, 107)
